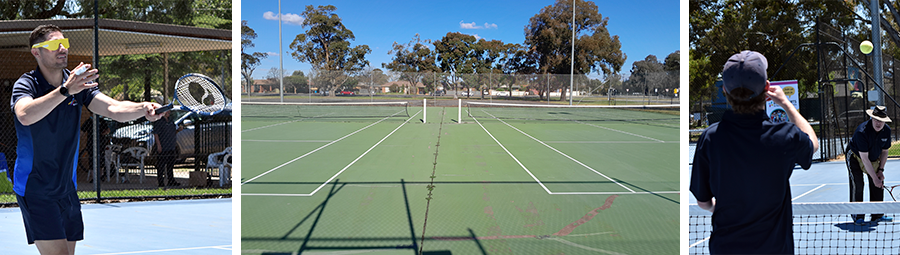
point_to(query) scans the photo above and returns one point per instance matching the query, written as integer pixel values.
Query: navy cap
(746, 70)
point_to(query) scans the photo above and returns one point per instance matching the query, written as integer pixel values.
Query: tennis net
(821, 228)
(646, 114)
(324, 110)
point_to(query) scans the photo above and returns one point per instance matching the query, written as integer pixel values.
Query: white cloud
(288, 18)
(272, 53)
(477, 37)
(472, 25)
(467, 25)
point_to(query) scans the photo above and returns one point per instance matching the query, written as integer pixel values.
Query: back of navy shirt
(745, 162)
(46, 150)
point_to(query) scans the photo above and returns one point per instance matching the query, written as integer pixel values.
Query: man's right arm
(30, 110)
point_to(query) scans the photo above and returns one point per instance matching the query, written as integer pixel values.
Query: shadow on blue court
(159, 227)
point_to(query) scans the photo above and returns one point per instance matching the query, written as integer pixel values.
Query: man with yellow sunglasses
(47, 103)
(52, 45)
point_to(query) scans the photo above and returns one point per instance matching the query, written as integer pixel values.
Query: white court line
(268, 126)
(288, 122)
(615, 193)
(810, 191)
(585, 247)
(699, 242)
(561, 153)
(317, 149)
(614, 142)
(222, 247)
(620, 131)
(514, 157)
(286, 141)
(342, 170)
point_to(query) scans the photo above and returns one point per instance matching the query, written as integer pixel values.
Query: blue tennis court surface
(159, 227)
(829, 182)
(824, 233)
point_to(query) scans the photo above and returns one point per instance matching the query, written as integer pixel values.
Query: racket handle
(164, 109)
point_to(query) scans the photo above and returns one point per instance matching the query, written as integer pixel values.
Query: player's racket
(890, 191)
(199, 94)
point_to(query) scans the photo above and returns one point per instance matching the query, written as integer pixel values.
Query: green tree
(549, 34)
(647, 75)
(326, 46)
(454, 53)
(296, 81)
(33, 9)
(413, 61)
(719, 29)
(249, 61)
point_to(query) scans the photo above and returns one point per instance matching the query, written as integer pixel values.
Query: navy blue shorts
(51, 219)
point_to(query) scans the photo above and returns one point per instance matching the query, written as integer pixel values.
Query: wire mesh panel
(313, 85)
(664, 115)
(275, 110)
(820, 228)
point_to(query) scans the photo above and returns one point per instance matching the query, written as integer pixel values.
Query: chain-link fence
(654, 88)
(845, 88)
(138, 61)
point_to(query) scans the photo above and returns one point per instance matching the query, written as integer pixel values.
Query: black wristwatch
(64, 91)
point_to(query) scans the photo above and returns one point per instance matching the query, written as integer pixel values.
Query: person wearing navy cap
(743, 164)
(868, 151)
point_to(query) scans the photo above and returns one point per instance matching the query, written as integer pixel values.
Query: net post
(459, 112)
(424, 110)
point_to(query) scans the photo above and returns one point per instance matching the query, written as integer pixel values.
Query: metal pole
(280, 55)
(876, 41)
(96, 117)
(459, 111)
(572, 74)
(424, 110)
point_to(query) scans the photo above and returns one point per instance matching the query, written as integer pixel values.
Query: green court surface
(396, 185)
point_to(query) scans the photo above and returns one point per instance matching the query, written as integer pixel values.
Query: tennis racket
(890, 191)
(199, 94)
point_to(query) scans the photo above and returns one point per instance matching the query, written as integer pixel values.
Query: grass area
(9, 197)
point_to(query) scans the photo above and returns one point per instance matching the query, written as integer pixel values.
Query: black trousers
(857, 184)
(165, 163)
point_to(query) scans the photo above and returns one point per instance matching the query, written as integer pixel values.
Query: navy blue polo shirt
(46, 150)
(745, 162)
(865, 139)
(166, 130)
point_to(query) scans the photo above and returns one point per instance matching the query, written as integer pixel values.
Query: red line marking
(571, 227)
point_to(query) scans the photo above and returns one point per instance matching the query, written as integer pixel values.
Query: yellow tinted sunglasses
(52, 45)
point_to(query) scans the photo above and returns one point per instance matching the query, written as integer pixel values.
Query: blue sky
(644, 27)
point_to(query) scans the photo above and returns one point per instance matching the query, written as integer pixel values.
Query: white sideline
(339, 172)
(514, 157)
(561, 153)
(317, 149)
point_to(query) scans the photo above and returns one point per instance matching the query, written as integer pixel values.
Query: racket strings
(189, 95)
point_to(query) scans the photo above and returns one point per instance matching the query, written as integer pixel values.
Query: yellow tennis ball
(866, 47)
